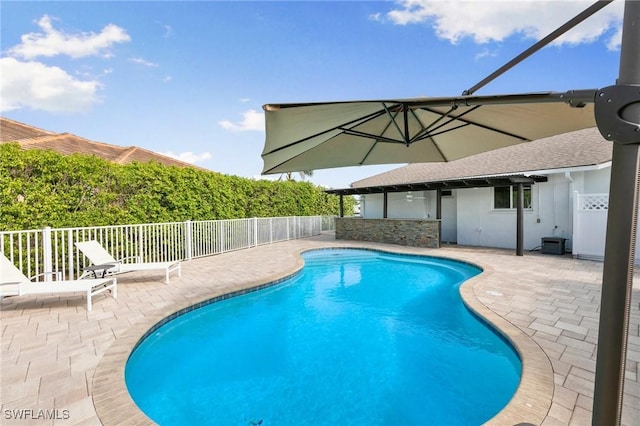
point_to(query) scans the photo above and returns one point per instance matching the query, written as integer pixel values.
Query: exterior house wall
(371, 206)
(550, 215)
(478, 223)
(399, 206)
(421, 206)
(597, 181)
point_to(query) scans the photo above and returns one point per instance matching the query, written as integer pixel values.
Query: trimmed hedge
(45, 188)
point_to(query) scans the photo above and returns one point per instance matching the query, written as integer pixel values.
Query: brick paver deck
(58, 360)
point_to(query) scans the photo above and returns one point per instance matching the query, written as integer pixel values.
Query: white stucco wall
(371, 206)
(421, 206)
(550, 216)
(597, 181)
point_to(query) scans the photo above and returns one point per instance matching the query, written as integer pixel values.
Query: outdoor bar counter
(406, 232)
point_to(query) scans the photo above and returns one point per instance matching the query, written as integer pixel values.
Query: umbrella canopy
(311, 136)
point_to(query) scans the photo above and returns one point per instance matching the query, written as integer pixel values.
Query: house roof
(30, 137)
(575, 149)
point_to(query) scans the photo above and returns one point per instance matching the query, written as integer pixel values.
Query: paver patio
(58, 360)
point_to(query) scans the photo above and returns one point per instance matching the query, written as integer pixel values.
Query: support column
(384, 204)
(520, 221)
(439, 214)
(621, 223)
(341, 205)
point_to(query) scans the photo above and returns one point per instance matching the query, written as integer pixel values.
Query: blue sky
(189, 78)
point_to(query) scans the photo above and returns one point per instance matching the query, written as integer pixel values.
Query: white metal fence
(47, 250)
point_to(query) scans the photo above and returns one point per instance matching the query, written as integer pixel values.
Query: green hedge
(44, 188)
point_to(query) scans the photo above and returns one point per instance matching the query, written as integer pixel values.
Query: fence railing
(48, 250)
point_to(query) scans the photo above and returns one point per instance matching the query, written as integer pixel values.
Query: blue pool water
(357, 338)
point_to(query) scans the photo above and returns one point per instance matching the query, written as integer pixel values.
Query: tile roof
(30, 137)
(575, 149)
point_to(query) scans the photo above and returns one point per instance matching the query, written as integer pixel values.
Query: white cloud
(485, 53)
(490, 21)
(142, 61)
(252, 120)
(376, 17)
(52, 42)
(188, 156)
(30, 84)
(615, 39)
(38, 86)
(168, 31)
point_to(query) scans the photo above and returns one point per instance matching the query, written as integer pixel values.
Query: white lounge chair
(14, 283)
(101, 259)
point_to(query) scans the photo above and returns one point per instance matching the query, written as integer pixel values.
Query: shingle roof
(575, 149)
(30, 137)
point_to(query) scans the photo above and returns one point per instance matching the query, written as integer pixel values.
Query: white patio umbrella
(324, 135)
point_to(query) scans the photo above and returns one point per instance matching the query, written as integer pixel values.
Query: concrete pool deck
(60, 361)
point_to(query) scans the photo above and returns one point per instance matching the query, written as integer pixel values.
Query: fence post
(70, 251)
(255, 232)
(47, 253)
(188, 236)
(270, 230)
(223, 236)
(141, 243)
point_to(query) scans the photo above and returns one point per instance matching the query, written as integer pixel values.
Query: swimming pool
(358, 337)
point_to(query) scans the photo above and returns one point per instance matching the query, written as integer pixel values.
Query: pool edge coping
(532, 400)
(529, 405)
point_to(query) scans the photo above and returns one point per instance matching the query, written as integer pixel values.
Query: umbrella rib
(368, 153)
(393, 120)
(431, 135)
(340, 127)
(377, 138)
(388, 125)
(425, 129)
(450, 118)
(469, 122)
(380, 138)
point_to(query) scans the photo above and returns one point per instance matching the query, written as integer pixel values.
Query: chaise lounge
(103, 261)
(14, 283)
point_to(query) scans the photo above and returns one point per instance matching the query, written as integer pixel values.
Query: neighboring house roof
(569, 150)
(30, 137)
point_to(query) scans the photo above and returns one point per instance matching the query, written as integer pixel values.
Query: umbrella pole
(617, 281)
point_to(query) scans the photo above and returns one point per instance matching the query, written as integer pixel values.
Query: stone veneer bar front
(406, 232)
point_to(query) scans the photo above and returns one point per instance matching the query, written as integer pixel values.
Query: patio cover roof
(522, 163)
(468, 182)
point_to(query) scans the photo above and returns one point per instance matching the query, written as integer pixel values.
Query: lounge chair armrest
(9, 291)
(136, 259)
(98, 271)
(56, 275)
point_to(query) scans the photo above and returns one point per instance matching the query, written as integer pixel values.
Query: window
(506, 197)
